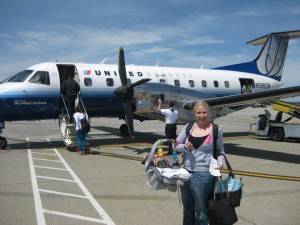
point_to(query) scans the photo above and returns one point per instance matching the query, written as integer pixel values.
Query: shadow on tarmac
(141, 137)
(235, 149)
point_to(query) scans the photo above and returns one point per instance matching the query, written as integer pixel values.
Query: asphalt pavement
(41, 182)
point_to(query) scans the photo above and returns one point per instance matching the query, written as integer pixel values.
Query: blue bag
(231, 186)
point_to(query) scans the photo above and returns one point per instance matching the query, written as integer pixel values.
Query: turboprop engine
(146, 95)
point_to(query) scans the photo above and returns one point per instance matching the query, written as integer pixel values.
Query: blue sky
(180, 33)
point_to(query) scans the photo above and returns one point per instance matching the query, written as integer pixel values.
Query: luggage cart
(278, 130)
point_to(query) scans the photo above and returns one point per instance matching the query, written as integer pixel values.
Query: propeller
(126, 92)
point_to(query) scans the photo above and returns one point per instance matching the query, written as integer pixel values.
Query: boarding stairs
(67, 128)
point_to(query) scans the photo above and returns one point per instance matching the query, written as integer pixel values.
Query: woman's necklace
(203, 127)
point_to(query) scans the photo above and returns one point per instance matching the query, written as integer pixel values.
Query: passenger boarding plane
(129, 92)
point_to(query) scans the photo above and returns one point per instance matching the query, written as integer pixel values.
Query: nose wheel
(124, 129)
(3, 143)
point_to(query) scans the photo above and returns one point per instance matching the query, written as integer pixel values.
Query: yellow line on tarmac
(236, 172)
(239, 137)
(150, 144)
(260, 175)
(264, 175)
(125, 144)
(117, 155)
(17, 140)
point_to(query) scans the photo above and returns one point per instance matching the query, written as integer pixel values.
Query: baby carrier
(164, 171)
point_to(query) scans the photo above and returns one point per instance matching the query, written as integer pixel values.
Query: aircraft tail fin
(270, 60)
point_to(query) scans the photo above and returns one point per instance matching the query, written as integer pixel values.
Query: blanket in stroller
(164, 171)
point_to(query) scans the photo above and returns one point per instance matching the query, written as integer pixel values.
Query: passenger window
(177, 83)
(226, 84)
(109, 82)
(88, 82)
(204, 83)
(40, 77)
(162, 81)
(191, 83)
(216, 83)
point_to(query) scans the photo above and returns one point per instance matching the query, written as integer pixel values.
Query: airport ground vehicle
(277, 130)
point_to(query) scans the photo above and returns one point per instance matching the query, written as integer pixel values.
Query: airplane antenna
(103, 61)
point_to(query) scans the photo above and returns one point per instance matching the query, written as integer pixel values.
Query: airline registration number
(262, 85)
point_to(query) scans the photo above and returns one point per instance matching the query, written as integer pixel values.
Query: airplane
(130, 91)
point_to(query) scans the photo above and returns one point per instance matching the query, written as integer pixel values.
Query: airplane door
(66, 70)
(76, 75)
(161, 78)
(250, 81)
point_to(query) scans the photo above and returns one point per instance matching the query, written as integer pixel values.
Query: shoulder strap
(187, 130)
(215, 135)
(189, 127)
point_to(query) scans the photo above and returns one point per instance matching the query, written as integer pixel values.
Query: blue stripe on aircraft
(248, 67)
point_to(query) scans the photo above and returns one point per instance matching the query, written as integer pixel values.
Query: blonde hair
(201, 103)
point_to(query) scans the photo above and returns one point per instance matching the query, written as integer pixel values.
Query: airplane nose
(3, 103)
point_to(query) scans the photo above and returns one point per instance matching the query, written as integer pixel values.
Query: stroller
(164, 171)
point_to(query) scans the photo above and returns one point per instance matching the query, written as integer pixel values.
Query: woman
(81, 136)
(198, 150)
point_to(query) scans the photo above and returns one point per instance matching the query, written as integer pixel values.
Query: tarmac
(41, 182)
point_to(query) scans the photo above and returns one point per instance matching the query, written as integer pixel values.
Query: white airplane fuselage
(27, 100)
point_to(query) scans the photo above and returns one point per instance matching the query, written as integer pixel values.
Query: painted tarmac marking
(50, 168)
(63, 193)
(74, 216)
(49, 160)
(93, 201)
(54, 178)
(42, 153)
(245, 173)
(150, 144)
(40, 211)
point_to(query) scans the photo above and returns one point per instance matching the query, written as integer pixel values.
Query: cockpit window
(40, 77)
(4, 80)
(20, 77)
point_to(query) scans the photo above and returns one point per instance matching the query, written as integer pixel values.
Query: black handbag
(221, 210)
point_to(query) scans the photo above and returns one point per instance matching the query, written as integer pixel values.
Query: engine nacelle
(146, 96)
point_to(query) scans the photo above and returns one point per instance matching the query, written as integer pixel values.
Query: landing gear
(124, 129)
(3, 142)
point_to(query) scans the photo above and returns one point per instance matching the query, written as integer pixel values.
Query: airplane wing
(262, 97)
